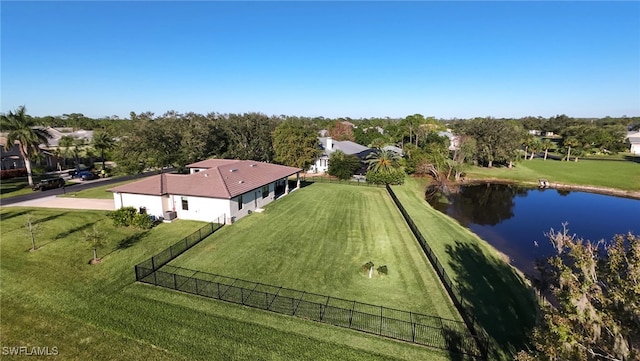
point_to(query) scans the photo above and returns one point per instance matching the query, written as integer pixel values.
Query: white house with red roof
(214, 187)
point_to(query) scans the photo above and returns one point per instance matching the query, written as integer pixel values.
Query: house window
(185, 204)
(265, 191)
(240, 203)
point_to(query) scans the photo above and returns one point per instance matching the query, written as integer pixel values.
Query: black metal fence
(433, 331)
(154, 263)
(397, 324)
(476, 330)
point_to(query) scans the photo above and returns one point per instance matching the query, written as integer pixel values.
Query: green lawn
(52, 297)
(600, 173)
(498, 296)
(317, 239)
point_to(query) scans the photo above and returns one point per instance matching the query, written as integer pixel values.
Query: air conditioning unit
(170, 215)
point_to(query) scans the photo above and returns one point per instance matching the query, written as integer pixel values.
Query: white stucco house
(214, 187)
(634, 139)
(328, 146)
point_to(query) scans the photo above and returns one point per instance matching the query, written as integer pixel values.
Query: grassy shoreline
(607, 177)
(497, 293)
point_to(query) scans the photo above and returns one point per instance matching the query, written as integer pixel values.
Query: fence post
(380, 331)
(351, 313)
(153, 263)
(136, 268)
(218, 283)
(200, 234)
(197, 293)
(175, 282)
(413, 328)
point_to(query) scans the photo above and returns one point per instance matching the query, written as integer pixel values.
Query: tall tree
(102, 142)
(341, 130)
(342, 165)
(596, 312)
(496, 140)
(546, 145)
(21, 129)
(250, 136)
(295, 144)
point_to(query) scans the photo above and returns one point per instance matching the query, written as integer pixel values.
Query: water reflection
(515, 219)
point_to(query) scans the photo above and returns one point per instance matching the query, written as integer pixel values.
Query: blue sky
(332, 59)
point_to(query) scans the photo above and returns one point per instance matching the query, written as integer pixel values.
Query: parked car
(49, 183)
(86, 175)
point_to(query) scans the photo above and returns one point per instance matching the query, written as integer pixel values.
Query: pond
(514, 219)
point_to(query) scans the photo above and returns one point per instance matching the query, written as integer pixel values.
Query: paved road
(47, 196)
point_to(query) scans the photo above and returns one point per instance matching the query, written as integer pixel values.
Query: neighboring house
(12, 158)
(393, 148)
(634, 139)
(214, 187)
(58, 133)
(535, 132)
(328, 146)
(454, 140)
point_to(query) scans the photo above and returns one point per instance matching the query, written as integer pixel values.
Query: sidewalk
(68, 203)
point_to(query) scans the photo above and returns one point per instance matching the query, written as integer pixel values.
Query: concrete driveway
(68, 203)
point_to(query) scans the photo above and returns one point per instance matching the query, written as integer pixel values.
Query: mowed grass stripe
(317, 238)
(52, 297)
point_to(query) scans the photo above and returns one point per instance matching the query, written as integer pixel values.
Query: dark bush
(394, 177)
(13, 173)
(382, 270)
(367, 266)
(142, 221)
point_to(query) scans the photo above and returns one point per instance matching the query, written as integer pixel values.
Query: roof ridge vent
(233, 170)
(253, 165)
(240, 181)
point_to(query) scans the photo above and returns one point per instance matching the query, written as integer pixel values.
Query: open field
(53, 298)
(600, 173)
(498, 296)
(317, 239)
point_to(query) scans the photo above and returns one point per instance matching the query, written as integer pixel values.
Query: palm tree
(546, 144)
(570, 142)
(534, 147)
(20, 129)
(103, 142)
(382, 161)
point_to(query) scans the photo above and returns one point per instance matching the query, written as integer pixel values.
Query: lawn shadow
(49, 218)
(498, 298)
(131, 240)
(11, 214)
(456, 345)
(73, 230)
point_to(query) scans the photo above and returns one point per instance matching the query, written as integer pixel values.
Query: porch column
(286, 186)
(298, 180)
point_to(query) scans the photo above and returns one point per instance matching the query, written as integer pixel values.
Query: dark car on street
(86, 175)
(49, 183)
